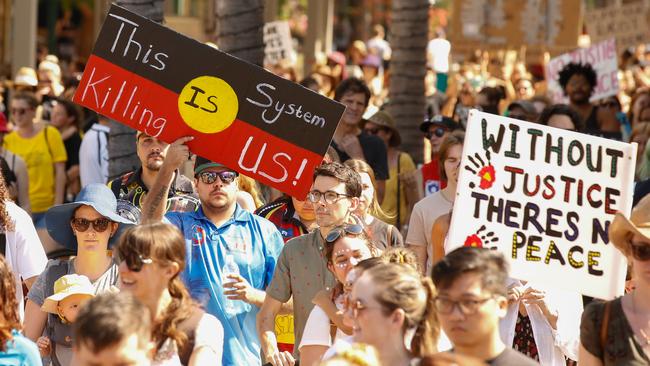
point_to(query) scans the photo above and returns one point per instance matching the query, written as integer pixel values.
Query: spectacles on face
(372, 131)
(99, 225)
(134, 261)
(438, 132)
(330, 197)
(225, 176)
(357, 306)
(466, 306)
(19, 111)
(640, 252)
(339, 231)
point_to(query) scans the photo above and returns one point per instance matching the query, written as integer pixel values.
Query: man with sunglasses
(301, 271)
(134, 186)
(220, 228)
(435, 130)
(472, 298)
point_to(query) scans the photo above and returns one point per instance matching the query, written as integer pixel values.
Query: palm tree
(121, 143)
(239, 28)
(408, 39)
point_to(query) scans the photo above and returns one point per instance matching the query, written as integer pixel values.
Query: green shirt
(301, 271)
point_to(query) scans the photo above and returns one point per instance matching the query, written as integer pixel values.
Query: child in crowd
(71, 292)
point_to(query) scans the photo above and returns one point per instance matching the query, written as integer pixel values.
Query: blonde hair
(358, 354)
(400, 255)
(401, 287)
(248, 184)
(361, 166)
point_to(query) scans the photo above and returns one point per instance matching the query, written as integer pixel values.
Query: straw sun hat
(622, 228)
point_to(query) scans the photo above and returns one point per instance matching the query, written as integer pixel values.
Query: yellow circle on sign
(208, 104)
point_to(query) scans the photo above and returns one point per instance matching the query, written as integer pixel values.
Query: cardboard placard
(158, 81)
(278, 45)
(628, 24)
(603, 59)
(545, 198)
(539, 25)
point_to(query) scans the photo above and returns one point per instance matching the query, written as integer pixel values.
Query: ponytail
(427, 333)
(180, 309)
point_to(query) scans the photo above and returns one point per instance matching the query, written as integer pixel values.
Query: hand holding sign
(178, 153)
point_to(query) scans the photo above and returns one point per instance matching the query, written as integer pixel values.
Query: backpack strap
(605, 325)
(3, 244)
(47, 141)
(188, 326)
(57, 331)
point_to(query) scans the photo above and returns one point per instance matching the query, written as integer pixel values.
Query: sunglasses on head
(134, 261)
(225, 176)
(640, 252)
(336, 233)
(438, 132)
(99, 225)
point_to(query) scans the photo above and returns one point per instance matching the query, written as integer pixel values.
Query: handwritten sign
(158, 81)
(548, 25)
(278, 45)
(627, 23)
(545, 198)
(601, 56)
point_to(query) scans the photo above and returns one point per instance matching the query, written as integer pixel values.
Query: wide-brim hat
(26, 76)
(65, 286)
(95, 195)
(622, 228)
(384, 119)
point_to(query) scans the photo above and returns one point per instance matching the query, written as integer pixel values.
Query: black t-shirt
(374, 150)
(510, 357)
(72, 146)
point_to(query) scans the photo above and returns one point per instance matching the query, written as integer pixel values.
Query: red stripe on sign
(146, 106)
(266, 158)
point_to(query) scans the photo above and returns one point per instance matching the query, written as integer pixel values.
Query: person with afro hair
(578, 82)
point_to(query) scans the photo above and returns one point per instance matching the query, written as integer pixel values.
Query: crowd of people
(166, 265)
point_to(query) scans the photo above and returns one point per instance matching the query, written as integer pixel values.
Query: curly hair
(6, 223)
(572, 68)
(165, 244)
(8, 303)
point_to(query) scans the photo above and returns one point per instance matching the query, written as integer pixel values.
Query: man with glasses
(134, 186)
(220, 229)
(472, 298)
(435, 130)
(302, 271)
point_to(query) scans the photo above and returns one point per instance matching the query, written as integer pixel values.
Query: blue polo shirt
(255, 243)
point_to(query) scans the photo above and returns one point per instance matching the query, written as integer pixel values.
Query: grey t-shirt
(510, 357)
(38, 291)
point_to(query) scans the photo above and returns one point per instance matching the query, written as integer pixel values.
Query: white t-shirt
(424, 214)
(317, 328)
(24, 251)
(209, 333)
(438, 53)
(93, 155)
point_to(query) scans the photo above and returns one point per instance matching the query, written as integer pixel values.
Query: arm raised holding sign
(154, 204)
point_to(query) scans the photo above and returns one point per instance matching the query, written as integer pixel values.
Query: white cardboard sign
(601, 56)
(277, 43)
(545, 198)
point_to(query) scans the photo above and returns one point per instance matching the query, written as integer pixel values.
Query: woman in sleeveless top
(152, 258)
(617, 332)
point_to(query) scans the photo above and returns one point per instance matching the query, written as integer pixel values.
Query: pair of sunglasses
(640, 252)
(99, 225)
(134, 261)
(438, 132)
(336, 233)
(226, 177)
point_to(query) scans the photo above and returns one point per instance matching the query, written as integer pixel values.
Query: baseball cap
(440, 120)
(65, 286)
(202, 164)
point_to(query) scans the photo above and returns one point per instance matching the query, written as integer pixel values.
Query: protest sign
(538, 25)
(627, 23)
(545, 198)
(278, 45)
(158, 81)
(601, 56)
